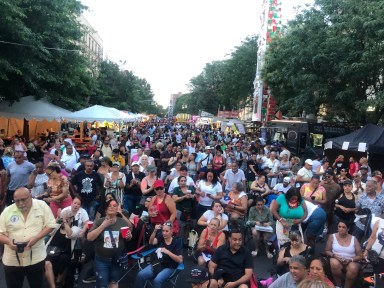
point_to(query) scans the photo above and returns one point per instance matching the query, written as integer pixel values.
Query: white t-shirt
(210, 189)
(81, 216)
(280, 188)
(209, 215)
(38, 188)
(175, 184)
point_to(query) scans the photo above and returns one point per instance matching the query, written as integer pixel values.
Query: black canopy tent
(368, 140)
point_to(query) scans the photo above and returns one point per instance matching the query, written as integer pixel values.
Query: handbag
(122, 260)
(373, 257)
(54, 251)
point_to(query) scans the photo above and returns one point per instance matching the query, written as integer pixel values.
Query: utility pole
(270, 28)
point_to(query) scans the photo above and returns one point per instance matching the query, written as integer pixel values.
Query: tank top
(347, 252)
(347, 203)
(214, 242)
(217, 161)
(163, 212)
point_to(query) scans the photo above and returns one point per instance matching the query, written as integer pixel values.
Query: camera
(20, 246)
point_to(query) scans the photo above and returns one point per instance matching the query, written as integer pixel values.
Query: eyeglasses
(159, 188)
(22, 200)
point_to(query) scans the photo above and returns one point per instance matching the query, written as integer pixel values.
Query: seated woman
(292, 248)
(290, 210)
(210, 239)
(319, 269)
(260, 215)
(345, 205)
(59, 250)
(237, 206)
(259, 188)
(344, 250)
(171, 251)
(216, 211)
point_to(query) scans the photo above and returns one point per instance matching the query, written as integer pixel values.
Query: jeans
(130, 202)
(106, 271)
(14, 275)
(147, 274)
(315, 224)
(91, 207)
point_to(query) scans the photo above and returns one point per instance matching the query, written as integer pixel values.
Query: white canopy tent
(30, 108)
(100, 113)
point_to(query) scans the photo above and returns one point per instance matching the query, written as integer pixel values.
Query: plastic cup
(124, 231)
(189, 191)
(90, 225)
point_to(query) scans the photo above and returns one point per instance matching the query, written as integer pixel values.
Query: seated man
(297, 273)
(232, 264)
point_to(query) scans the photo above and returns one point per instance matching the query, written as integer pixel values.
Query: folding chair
(140, 262)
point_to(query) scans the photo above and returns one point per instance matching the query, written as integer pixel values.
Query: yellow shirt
(13, 225)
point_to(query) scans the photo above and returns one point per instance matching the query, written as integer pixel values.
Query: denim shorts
(316, 222)
(106, 271)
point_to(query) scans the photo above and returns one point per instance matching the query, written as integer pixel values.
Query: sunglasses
(168, 224)
(159, 188)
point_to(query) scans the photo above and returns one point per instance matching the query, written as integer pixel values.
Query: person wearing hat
(372, 201)
(132, 189)
(364, 173)
(333, 191)
(304, 175)
(282, 188)
(114, 182)
(198, 277)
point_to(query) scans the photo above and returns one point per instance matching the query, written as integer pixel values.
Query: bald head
(23, 199)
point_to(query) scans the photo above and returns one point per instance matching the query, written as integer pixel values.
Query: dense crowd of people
(65, 212)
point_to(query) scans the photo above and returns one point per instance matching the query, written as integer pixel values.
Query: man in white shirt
(206, 157)
(305, 174)
(69, 159)
(233, 176)
(282, 187)
(175, 183)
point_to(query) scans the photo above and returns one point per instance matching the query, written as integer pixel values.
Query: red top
(214, 243)
(163, 212)
(218, 161)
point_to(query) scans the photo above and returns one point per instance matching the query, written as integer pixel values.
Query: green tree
(331, 57)
(226, 83)
(123, 90)
(28, 66)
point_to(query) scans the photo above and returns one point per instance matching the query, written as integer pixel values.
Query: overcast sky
(168, 42)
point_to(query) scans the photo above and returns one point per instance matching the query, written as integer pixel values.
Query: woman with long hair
(209, 189)
(192, 166)
(114, 182)
(216, 211)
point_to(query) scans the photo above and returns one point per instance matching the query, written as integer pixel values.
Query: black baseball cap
(198, 274)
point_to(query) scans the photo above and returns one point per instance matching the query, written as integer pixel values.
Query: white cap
(309, 162)
(208, 147)
(287, 179)
(135, 163)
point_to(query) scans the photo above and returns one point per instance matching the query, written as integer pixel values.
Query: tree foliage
(27, 64)
(225, 83)
(331, 57)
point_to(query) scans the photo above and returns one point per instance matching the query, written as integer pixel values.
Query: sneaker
(254, 253)
(269, 255)
(89, 280)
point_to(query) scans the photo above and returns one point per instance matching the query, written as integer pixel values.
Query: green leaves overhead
(226, 84)
(331, 56)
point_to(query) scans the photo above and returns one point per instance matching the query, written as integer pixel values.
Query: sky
(169, 42)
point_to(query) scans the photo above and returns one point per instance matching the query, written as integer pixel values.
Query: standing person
(88, 185)
(38, 180)
(109, 245)
(164, 158)
(17, 175)
(132, 190)
(232, 264)
(354, 166)
(27, 221)
(114, 182)
(333, 191)
(58, 189)
(232, 176)
(209, 190)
